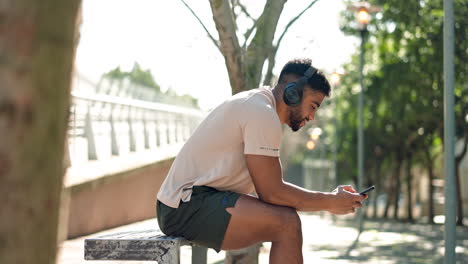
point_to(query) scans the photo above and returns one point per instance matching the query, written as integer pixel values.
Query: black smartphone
(367, 190)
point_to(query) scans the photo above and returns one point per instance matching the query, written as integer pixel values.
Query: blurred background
(147, 72)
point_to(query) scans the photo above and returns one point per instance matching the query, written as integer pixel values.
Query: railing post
(88, 130)
(157, 130)
(114, 144)
(185, 131)
(175, 129)
(193, 126)
(145, 130)
(180, 129)
(168, 129)
(131, 133)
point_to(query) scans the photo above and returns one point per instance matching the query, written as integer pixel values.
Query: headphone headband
(310, 72)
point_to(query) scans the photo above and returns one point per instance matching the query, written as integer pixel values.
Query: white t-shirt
(247, 123)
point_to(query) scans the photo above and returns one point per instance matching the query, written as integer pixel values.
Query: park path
(326, 241)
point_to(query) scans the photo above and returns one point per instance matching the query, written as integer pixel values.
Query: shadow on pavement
(399, 242)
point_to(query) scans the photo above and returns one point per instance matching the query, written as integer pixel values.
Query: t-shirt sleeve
(261, 130)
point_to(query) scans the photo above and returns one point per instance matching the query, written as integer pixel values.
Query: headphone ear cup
(292, 96)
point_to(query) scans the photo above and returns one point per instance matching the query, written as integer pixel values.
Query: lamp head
(335, 78)
(363, 16)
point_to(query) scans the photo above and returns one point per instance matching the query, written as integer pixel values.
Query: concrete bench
(150, 245)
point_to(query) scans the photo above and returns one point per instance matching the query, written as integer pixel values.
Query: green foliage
(137, 76)
(404, 84)
(146, 79)
(171, 97)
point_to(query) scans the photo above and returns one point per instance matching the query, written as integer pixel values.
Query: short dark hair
(298, 67)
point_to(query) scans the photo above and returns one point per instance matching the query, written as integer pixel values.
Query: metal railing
(103, 126)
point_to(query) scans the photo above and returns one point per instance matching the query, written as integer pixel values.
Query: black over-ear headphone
(292, 95)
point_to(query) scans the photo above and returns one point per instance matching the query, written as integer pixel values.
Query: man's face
(299, 115)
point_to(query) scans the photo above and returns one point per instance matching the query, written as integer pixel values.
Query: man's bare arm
(267, 177)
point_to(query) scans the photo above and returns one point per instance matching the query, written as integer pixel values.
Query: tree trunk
(36, 61)
(459, 196)
(261, 46)
(377, 187)
(409, 190)
(226, 27)
(430, 172)
(431, 196)
(271, 63)
(391, 190)
(397, 190)
(458, 161)
(389, 197)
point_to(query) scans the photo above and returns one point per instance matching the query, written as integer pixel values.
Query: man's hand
(345, 200)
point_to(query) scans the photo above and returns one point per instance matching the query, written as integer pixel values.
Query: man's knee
(289, 222)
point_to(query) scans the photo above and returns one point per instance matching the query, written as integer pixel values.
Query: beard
(295, 119)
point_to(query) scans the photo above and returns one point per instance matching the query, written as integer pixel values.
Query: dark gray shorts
(202, 220)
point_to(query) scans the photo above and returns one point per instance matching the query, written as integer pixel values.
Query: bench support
(199, 255)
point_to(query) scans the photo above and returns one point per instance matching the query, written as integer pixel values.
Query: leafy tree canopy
(137, 75)
(144, 78)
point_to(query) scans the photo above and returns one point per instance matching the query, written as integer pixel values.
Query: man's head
(314, 91)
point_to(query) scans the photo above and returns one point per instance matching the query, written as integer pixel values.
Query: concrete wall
(113, 200)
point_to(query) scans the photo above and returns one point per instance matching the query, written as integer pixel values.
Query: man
(235, 151)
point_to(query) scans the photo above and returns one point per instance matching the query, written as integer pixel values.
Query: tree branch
(233, 14)
(248, 33)
(293, 21)
(233, 5)
(215, 42)
(271, 63)
(244, 10)
(250, 30)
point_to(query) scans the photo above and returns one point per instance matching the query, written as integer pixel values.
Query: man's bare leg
(254, 221)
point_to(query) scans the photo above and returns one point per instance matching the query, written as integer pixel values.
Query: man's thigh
(203, 219)
(253, 221)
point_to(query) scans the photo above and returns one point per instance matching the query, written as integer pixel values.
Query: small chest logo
(270, 149)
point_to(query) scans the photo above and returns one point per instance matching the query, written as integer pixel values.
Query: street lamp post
(363, 11)
(449, 133)
(361, 118)
(363, 18)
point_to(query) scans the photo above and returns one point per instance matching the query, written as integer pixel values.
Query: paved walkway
(327, 241)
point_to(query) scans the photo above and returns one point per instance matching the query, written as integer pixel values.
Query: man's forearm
(303, 200)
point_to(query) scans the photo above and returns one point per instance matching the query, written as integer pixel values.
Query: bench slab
(135, 245)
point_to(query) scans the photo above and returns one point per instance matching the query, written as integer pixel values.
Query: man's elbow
(274, 196)
(268, 198)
